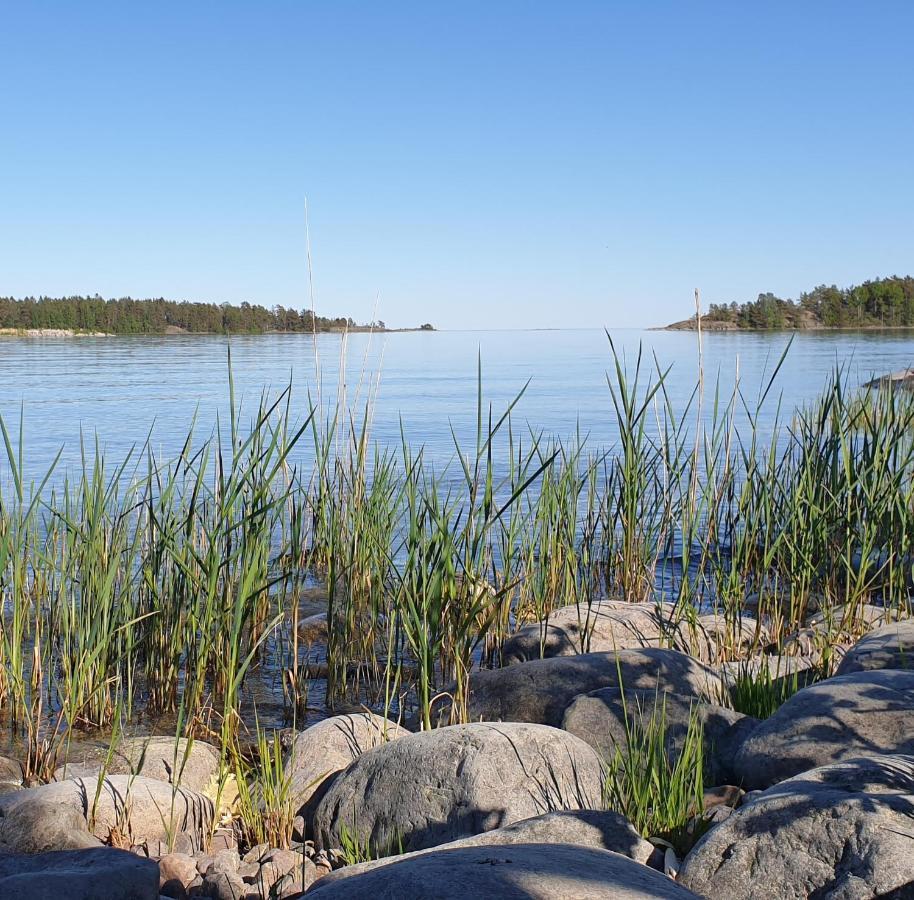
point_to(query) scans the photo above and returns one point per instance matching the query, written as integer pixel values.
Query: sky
(472, 165)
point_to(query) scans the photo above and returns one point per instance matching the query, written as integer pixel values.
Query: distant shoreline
(182, 332)
(718, 327)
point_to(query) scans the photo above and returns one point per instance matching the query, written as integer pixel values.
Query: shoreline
(178, 332)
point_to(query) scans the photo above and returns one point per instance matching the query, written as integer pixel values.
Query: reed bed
(155, 590)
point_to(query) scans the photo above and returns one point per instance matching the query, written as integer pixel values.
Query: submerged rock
(541, 690)
(601, 830)
(513, 872)
(834, 720)
(321, 751)
(437, 786)
(837, 831)
(97, 874)
(80, 813)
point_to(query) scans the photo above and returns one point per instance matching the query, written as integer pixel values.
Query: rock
(10, 771)
(834, 720)
(541, 690)
(95, 874)
(829, 631)
(225, 886)
(601, 830)
(604, 717)
(840, 831)
(783, 670)
(888, 647)
(610, 625)
(192, 764)
(324, 749)
(514, 872)
(57, 815)
(177, 872)
(436, 786)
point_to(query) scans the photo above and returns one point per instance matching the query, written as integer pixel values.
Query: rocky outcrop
(541, 690)
(429, 788)
(98, 874)
(846, 716)
(837, 831)
(515, 872)
(324, 749)
(80, 813)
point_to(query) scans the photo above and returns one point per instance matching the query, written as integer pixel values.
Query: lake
(119, 388)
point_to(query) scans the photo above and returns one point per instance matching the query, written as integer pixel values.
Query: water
(120, 388)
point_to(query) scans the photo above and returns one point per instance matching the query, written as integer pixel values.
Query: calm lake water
(120, 388)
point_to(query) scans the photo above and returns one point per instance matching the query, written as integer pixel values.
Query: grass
(149, 588)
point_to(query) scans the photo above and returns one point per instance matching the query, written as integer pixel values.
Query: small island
(61, 316)
(880, 303)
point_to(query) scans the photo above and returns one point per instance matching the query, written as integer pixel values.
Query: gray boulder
(604, 717)
(601, 830)
(888, 647)
(514, 872)
(840, 831)
(850, 715)
(541, 690)
(437, 786)
(191, 764)
(98, 874)
(324, 749)
(65, 815)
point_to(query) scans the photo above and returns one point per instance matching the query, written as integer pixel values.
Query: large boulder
(599, 829)
(888, 647)
(515, 872)
(436, 786)
(609, 625)
(80, 813)
(604, 719)
(191, 764)
(96, 874)
(838, 719)
(840, 831)
(324, 749)
(541, 690)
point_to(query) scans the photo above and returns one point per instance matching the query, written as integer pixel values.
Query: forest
(129, 316)
(880, 303)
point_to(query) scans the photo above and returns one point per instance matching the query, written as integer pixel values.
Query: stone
(177, 872)
(604, 717)
(191, 764)
(436, 786)
(838, 831)
(602, 830)
(888, 647)
(324, 749)
(784, 671)
(541, 690)
(226, 886)
(859, 714)
(92, 874)
(514, 872)
(10, 771)
(57, 815)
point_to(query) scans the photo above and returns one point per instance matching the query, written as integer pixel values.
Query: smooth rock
(437, 786)
(191, 764)
(840, 831)
(601, 830)
(604, 717)
(177, 872)
(541, 690)
(95, 874)
(862, 713)
(888, 647)
(514, 872)
(324, 749)
(57, 815)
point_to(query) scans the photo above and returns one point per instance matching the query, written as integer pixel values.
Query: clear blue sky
(472, 164)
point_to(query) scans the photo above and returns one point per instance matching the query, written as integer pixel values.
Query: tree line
(882, 302)
(129, 316)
